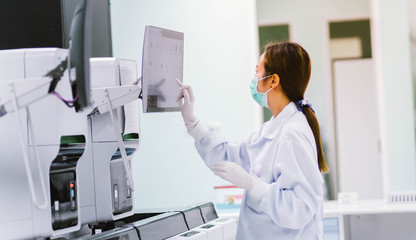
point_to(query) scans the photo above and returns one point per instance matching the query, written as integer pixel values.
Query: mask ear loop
(270, 88)
(263, 78)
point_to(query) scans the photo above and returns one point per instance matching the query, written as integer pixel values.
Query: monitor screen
(162, 64)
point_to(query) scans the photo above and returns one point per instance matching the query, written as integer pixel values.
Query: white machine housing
(191, 235)
(44, 124)
(26, 215)
(213, 231)
(108, 192)
(218, 229)
(229, 227)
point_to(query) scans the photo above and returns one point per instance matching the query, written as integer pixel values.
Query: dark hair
(293, 65)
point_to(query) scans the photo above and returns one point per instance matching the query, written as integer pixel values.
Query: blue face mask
(260, 98)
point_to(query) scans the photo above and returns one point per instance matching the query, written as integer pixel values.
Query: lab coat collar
(270, 129)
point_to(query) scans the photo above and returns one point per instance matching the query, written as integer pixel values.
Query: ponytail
(313, 123)
(292, 63)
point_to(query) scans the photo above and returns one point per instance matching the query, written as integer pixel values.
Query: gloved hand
(235, 174)
(187, 110)
(232, 172)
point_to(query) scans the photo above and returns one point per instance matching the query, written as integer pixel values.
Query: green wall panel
(359, 29)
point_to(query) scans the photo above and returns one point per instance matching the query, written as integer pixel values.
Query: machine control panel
(64, 196)
(122, 193)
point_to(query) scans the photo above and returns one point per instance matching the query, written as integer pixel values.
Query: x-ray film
(162, 64)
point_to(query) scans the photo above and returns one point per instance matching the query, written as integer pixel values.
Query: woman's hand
(233, 173)
(187, 110)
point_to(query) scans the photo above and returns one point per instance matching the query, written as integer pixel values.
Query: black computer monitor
(162, 64)
(30, 24)
(47, 23)
(101, 22)
(80, 45)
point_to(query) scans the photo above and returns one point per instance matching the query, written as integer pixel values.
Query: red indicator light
(71, 185)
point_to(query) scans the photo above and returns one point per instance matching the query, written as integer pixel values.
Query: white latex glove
(232, 172)
(235, 174)
(187, 110)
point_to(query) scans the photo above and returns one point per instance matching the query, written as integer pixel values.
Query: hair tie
(304, 102)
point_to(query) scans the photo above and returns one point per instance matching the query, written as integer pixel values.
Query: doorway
(356, 117)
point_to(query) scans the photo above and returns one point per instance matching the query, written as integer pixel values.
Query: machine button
(128, 192)
(72, 200)
(116, 201)
(115, 191)
(73, 205)
(56, 204)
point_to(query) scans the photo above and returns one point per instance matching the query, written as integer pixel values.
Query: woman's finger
(186, 96)
(180, 96)
(179, 83)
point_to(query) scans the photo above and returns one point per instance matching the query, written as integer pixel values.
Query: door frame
(332, 135)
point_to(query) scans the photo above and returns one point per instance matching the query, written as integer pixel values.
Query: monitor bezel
(80, 54)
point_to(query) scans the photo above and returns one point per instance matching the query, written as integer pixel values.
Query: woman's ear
(275, 80)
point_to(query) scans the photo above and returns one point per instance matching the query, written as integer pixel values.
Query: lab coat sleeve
(293, 199)
(212, 148)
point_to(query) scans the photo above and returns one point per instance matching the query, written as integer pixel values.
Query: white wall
(391, 44)
(220, 58)
(412, 25)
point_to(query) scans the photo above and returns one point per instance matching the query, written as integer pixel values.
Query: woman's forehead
(260, 64)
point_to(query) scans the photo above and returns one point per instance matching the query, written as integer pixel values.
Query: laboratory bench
(360, 220)
(199, 222)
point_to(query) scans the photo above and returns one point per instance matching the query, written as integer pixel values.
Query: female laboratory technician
(279, 165)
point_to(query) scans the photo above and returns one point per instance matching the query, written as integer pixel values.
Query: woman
(279, 165)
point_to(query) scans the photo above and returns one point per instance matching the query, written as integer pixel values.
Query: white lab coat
(283, 154)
